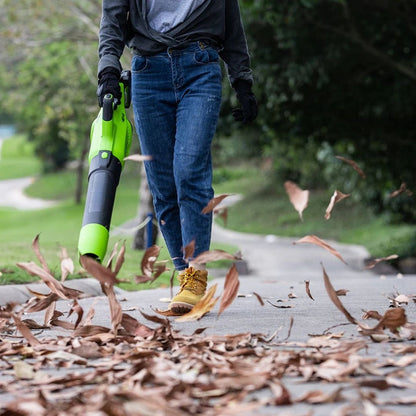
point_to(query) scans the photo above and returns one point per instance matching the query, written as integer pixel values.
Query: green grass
(59, 227)
(17, 159)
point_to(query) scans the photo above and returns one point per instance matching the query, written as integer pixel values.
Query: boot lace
(189, 281)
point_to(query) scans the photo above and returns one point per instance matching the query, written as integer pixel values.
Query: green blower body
(111, 134)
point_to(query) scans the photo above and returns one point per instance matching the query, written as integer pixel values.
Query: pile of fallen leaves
(147, 368)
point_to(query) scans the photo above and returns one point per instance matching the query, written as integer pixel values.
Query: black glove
(248, 110)
(108, 83)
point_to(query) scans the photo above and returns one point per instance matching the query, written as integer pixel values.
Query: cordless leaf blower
(111, 134)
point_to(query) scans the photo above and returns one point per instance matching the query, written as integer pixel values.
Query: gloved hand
(248, 102)
(108, 83)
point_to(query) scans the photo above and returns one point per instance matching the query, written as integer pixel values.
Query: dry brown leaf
(90, 330)
(55, 286)
(25, 331)
(312, 239)
(160, 268)
(120, 258)
(149, 258)
(42, 304)
(204, 306)
(112, 255)
(103, 274)
(308, 290)
(319, 397)
(138, 158)
(402, 299)
(393, 319)
(403, 188)
(143, 279)
(155, 319)
(214, 255)
(213, 203)
(379, 384)
(134, 327)
(36, 249)
(341, 292)
(38, 295)
(353, 164)
(402, 362)
(167, 312)
(172, 277)
(299, 198)
(90, 315)
(376, 261)
(289, 331)
(67, 265)
(372, 315)
(63, 324)
(259, 298)
(49, 313)
(280, 306)
(335, 300)
(281, 395)
(115, 308)
(108, 279)
(408, 330)
(231, 285)
(189, 250)
(31, 324)
(336, 197)
(77, 308)
(222, 212)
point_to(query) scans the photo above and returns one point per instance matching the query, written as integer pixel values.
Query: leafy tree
(52, 107)
(48, 51)
(339, 75)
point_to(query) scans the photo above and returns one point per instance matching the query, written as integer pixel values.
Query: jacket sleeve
(113, 33)
(235, 52)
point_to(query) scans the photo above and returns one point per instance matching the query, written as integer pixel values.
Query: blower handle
(108, 107)
(125, 79)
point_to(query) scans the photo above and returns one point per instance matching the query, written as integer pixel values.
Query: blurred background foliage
(332, 77)
(337, 77)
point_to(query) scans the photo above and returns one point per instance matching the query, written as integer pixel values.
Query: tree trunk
(141, 238)
(80, 169)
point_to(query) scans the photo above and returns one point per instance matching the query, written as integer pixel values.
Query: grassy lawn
(17, 160)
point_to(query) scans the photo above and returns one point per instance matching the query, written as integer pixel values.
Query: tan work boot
(193, 285)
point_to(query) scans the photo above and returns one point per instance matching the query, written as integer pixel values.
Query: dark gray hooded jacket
(217, 22)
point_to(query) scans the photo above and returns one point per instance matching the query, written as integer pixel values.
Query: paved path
(12, 195)
(12, 192)
(277, 268)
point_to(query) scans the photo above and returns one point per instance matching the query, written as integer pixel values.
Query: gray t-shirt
(164, 15)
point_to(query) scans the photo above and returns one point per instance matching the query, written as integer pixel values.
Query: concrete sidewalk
(277, 270)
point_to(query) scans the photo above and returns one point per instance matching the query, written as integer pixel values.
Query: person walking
(176, 98)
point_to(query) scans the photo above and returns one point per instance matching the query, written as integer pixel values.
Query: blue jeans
(176, 98)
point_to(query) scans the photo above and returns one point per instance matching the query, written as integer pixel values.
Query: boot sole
(181, 307)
